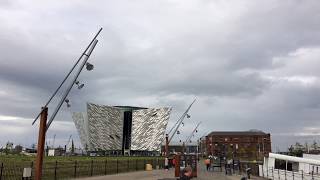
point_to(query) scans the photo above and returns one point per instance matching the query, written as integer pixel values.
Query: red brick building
(242, 145)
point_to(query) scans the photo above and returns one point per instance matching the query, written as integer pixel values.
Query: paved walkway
(167, 175)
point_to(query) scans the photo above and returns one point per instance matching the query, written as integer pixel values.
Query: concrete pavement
(167, 175)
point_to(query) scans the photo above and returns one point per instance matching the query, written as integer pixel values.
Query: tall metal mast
(64, 80)
(194, 130)
(179, 122)
(44, 125)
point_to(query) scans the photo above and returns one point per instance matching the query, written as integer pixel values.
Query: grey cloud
(165, 54)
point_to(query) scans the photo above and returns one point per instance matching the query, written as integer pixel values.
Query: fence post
(278, 174)
(117, 166)
(220, 165)
(31, 167)
(292, 174)
(272, 174)
(75, 169)
(55, 170)
(232, 167)
(128, 166)
(105, 167)
(285, 174)
(153, 163)
(91, 171)
(312, 175)
(267, 172)
(301, 174)
(1, 171)
(144, 164)
(136, 164)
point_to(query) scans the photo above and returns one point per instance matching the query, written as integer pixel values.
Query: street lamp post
(41, 142)
(167, 146)
(175, 128)
(43, 127)
(72, 83)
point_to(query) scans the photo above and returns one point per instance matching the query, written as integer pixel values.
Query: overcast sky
(250, 64)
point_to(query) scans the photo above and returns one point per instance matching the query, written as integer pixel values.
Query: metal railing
(78, 168)
(279, 174)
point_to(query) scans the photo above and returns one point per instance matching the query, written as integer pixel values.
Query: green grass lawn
(76, 166)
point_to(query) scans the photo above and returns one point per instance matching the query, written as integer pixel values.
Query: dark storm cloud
(250, 64)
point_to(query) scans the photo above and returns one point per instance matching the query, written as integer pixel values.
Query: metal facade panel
(148, 128)
(80, 120)
(105, 125)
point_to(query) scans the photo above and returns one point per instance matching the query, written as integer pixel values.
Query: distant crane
(54, 139)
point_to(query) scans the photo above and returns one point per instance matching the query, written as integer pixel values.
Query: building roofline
(238, 133)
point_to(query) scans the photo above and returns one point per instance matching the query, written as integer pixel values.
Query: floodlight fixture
(178, 132)
(188, 116)
(80, 85)
(182, 123)
(89, 66)
(67, 101)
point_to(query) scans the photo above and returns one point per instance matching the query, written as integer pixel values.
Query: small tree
(314, 145)
(296, 150)
(306, 147)
(6, 150)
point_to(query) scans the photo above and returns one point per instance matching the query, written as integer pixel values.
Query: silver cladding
(105, 126)
(81, 122)
(148, 128)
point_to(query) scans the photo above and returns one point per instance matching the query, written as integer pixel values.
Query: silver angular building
(123, 129)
